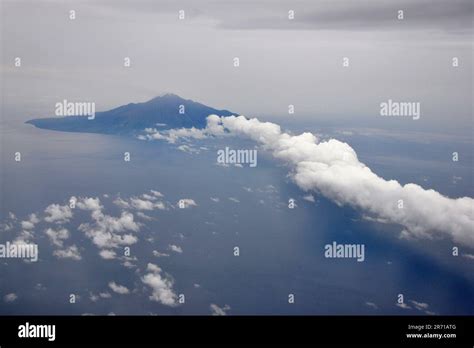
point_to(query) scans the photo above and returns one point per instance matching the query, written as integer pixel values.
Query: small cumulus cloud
(58, 213)
(188, 149)
(309, 198)
(107, 254)
(144, 216)
(87, 203)
(175, 248)
(108, 232)
(156, 193)
(57, 237)
(30, 223)
(159, 254)
(71, 252)
(219, 311)
(119, 289)
(11, 297)
(161, 286)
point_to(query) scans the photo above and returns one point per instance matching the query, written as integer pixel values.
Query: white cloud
(144, 216)
(403, 305)
(88, 203)
(161, 285)
(24, 237)
(233, 199)
(188, 149)
(119, 289)
(158, 254)
(420, 305)
(121, 203)
(215, 199)
(153, 268)
(141, 204)
(128, 264)
(216, 310)
(71, 252)
(468, 256)
(6, 226)
(27, 225)
(160, 205)
(57, 237)
(58, 213)
(173, 135)
(30, 223)
(372, 305)
(404, 234)
(175, 248)
(11, 297)
(309, 198)
(156, 193)
(333, 169)
(106, 232)
(107, 254)
(213, 128)
(148, 197)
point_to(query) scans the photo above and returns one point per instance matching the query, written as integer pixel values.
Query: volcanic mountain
(162, 112)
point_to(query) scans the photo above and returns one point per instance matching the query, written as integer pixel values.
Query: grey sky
(282, 62)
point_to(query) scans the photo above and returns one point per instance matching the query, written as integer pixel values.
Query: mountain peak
(169, 96)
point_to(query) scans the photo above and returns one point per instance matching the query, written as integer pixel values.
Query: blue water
(281, 249)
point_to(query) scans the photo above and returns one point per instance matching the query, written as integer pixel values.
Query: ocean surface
(281, 249)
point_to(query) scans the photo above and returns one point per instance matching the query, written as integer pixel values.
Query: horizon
(388, 58)
(392, 124)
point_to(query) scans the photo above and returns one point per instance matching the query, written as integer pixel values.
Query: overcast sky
(282, 61)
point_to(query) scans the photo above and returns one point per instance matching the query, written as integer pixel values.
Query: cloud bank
(332, 169)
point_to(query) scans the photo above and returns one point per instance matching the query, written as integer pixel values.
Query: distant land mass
(160, 112)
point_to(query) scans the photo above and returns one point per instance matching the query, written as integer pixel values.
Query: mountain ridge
(133, 118)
